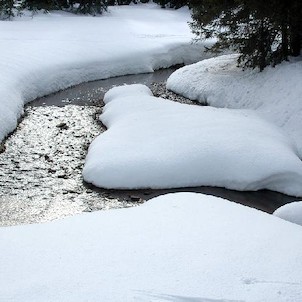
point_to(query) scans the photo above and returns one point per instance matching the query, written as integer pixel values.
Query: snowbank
(51, 52)
(156, 143)
(275, 93)
(291, 212)
(177, 247)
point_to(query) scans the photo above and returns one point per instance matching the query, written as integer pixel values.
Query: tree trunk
(295, 28)
(295, 41)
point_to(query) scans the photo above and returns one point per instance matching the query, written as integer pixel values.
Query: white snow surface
(156, 143)
(50, 52)
(291, 212)
(177, 247)
(274, 93)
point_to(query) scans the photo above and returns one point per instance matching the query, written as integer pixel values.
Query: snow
(156, 143)
(291, 212)
(177, 247)
(274, 93)
(54, 51)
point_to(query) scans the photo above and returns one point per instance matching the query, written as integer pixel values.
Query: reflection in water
(92, 92)
(41, 167)
(40, 171)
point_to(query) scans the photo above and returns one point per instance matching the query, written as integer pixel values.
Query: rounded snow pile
(156, 143)
(291, 212)
(219, 82)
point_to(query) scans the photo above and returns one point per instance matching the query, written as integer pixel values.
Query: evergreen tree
(92, 7)
(63, 4)
(171, 3)
(6, 9)
(263, 32)
(35, 5)
(125, 2)
(294, 13)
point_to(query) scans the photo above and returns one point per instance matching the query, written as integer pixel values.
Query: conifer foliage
(171, 3)
(92, 7)
(120, 2)
(35, 5)
(6, 9)
(264, 32)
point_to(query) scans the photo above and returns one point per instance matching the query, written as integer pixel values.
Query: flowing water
(42, 161)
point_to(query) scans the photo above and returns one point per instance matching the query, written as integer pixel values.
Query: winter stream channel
(41, 162)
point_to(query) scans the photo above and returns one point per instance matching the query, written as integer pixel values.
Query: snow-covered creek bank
(41, 167)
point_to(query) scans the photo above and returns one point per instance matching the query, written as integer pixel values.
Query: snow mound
(135, 89)
(177, 247)
(275, 93)
(53, 51)
(291, 212)
(155, 143)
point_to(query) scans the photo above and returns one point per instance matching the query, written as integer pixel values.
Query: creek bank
(41, 165)
(41, 161)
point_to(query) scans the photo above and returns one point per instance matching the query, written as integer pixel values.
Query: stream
(41, 161)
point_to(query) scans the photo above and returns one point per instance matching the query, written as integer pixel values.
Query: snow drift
(291, 212)
(177, 247)
(156, 143)
(54, 51)
(274, 93)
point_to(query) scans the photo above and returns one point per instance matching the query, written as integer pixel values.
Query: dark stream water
(41, 166)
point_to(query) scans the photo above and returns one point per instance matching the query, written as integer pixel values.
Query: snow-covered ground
(177, 247)
(274, 93)
(291, 212)
(53, 51)
(157, 143)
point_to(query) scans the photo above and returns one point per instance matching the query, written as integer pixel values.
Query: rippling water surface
(41, 166)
